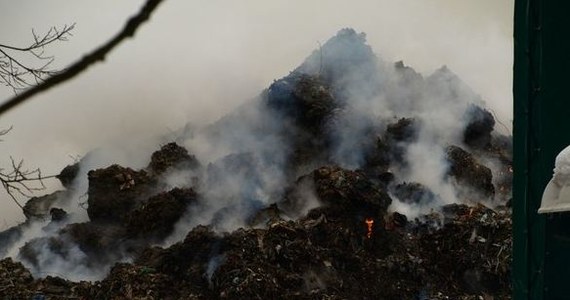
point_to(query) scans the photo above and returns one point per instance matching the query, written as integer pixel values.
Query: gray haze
(197, 60)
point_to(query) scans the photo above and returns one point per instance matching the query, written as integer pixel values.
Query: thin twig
(51, 36)
(18, 75)
(18, 182)
(507, 131)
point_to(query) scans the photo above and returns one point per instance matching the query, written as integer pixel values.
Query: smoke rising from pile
(199, 75)
(251, 155)
(244, 154)
(254, 172)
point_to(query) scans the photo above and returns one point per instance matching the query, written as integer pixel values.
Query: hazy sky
(197, 60)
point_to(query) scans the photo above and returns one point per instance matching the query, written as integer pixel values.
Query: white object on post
(556, 196)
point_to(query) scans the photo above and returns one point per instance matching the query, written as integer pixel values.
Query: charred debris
(358, 238)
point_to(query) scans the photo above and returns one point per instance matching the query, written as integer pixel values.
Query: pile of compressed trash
(339, 225)
(463, 253)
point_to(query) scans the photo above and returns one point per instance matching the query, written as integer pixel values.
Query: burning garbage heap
(314, 191)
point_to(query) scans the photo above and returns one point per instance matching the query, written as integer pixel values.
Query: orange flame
(369, 223)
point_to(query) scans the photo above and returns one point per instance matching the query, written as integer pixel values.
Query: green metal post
(520, 133)
(541, 245)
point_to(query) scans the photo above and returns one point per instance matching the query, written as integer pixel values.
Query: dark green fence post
(541, 244)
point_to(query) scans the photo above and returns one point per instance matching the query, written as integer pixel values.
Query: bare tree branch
(97, 55)
(19, 75)
(5, 131)
(20, 182)
(51, 36)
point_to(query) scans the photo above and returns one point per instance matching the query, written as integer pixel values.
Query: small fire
(369, 224)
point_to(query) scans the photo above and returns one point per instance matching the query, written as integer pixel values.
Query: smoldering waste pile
(350, 178)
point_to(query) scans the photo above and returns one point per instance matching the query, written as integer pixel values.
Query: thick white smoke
(128, 118)
(247, 155)
(175, 71)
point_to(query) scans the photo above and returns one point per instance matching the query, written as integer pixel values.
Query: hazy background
(196, 60)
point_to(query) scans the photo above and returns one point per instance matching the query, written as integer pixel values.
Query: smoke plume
(338, 107)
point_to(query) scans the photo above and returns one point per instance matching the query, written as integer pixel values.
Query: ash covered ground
(349, 178)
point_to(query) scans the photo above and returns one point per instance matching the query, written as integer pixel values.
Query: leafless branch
(16, 73)
(97, 55)
(54, 34)
(5, 131)
(20, 182)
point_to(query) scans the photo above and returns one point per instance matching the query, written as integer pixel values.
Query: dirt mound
(404, 130)
(390, 148)
(68, 174)
(469, 173)
(170, 156)
(94, 239)
(126, 212)
(414, 193)
(345, 55)
(350, 190)
(156, 217)
(9, 236)
(348, 193)
(480, 124)
(39, 207)
(304, 98)
(114, 191)
(306, 105)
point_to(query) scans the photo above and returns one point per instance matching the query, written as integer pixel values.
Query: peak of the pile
(345, 52)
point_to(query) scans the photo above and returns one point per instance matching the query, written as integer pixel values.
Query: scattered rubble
(315, 257)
